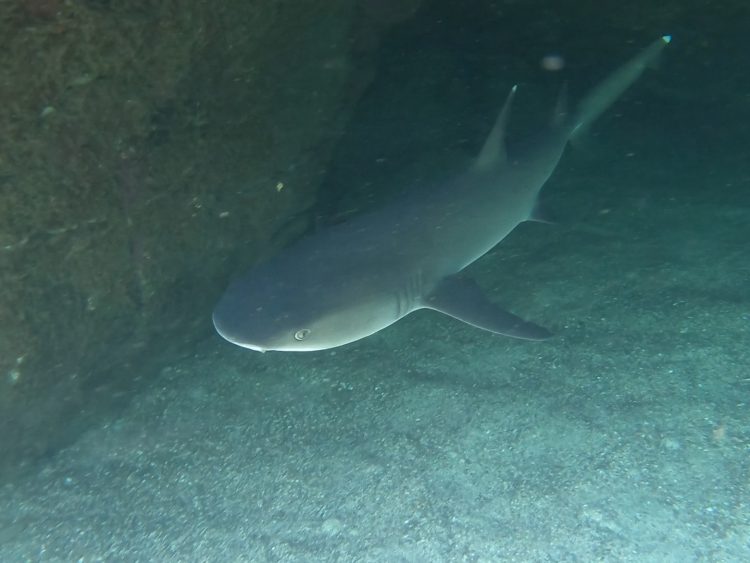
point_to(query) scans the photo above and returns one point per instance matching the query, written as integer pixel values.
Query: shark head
(270, 312)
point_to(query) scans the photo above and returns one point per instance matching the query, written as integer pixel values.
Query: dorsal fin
(493, 152)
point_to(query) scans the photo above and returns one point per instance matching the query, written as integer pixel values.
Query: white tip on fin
(493, 152)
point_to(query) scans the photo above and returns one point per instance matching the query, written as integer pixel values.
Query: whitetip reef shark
(356, 278)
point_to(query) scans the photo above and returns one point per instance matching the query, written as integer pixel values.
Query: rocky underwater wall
(148, 149)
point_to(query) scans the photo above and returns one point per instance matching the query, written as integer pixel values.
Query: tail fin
(603, 95)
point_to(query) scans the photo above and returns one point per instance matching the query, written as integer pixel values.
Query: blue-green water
(624, 438)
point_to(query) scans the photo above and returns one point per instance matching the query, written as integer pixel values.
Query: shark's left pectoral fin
(463, 299)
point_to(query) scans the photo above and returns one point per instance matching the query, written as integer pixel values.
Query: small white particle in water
(13, 376)
(671, 444)
(332, 526)
(553, 63)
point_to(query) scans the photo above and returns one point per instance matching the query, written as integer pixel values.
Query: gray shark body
(354, 279)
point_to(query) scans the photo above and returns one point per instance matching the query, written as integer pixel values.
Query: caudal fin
(603, 95)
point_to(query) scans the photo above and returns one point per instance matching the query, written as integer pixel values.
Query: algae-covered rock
(148, 148)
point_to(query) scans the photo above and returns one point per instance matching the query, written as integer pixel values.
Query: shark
(351, 280)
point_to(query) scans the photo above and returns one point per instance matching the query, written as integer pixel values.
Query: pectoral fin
(462, 298)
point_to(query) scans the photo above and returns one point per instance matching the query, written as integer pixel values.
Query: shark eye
(301, 334)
